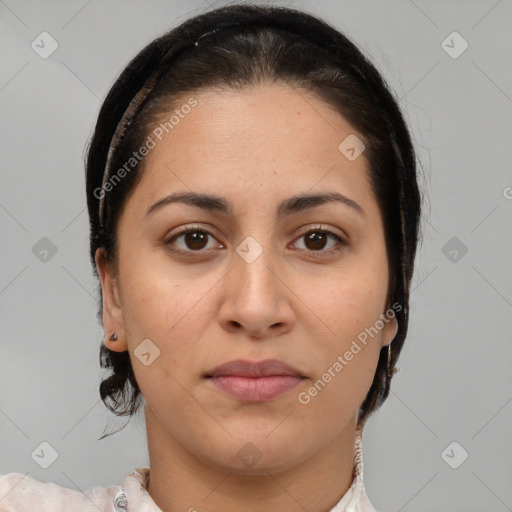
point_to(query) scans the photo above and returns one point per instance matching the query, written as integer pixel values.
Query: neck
(180, 481)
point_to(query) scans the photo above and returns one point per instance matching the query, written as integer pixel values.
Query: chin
(258, 451)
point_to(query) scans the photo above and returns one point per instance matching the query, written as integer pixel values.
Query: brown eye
(315, 240)
(195, 239)
(190, 240)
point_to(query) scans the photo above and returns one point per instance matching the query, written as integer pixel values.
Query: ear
(112, 311)
(389, 330)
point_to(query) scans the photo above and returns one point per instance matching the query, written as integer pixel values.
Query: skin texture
(255, 149)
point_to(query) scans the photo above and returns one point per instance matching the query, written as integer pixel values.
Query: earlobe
(113, 322)
(389, 331)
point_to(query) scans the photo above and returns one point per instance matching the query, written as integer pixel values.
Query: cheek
(172, 312)
(347, 344)
(161, 304)
(345, 354)
(346, 300)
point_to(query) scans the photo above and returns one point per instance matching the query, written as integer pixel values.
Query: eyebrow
(294, 204)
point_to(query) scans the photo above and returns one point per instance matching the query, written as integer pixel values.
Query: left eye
(196, 239)
(317, 237)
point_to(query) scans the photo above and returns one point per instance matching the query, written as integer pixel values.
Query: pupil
(315, 237)
(196, 238)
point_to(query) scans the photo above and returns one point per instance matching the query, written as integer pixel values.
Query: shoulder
(22, 493)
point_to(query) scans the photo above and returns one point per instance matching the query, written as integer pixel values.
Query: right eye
(194, 239)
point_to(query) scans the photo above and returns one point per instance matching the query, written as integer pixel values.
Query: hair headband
(134, 106)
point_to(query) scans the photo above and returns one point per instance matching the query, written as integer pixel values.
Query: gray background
(454, 382)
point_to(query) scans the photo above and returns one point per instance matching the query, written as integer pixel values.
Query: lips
(255, 381)
(265, 368)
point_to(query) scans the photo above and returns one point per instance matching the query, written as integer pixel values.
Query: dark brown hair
(237, 47)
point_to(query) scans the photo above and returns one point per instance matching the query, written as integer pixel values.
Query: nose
(256, 297)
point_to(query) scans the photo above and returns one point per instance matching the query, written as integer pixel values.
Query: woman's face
(251, 281)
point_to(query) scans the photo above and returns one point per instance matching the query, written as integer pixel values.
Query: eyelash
(192, 229)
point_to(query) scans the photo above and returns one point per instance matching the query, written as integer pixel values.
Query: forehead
(272, 141)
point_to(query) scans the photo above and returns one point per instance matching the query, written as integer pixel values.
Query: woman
(254, 212)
